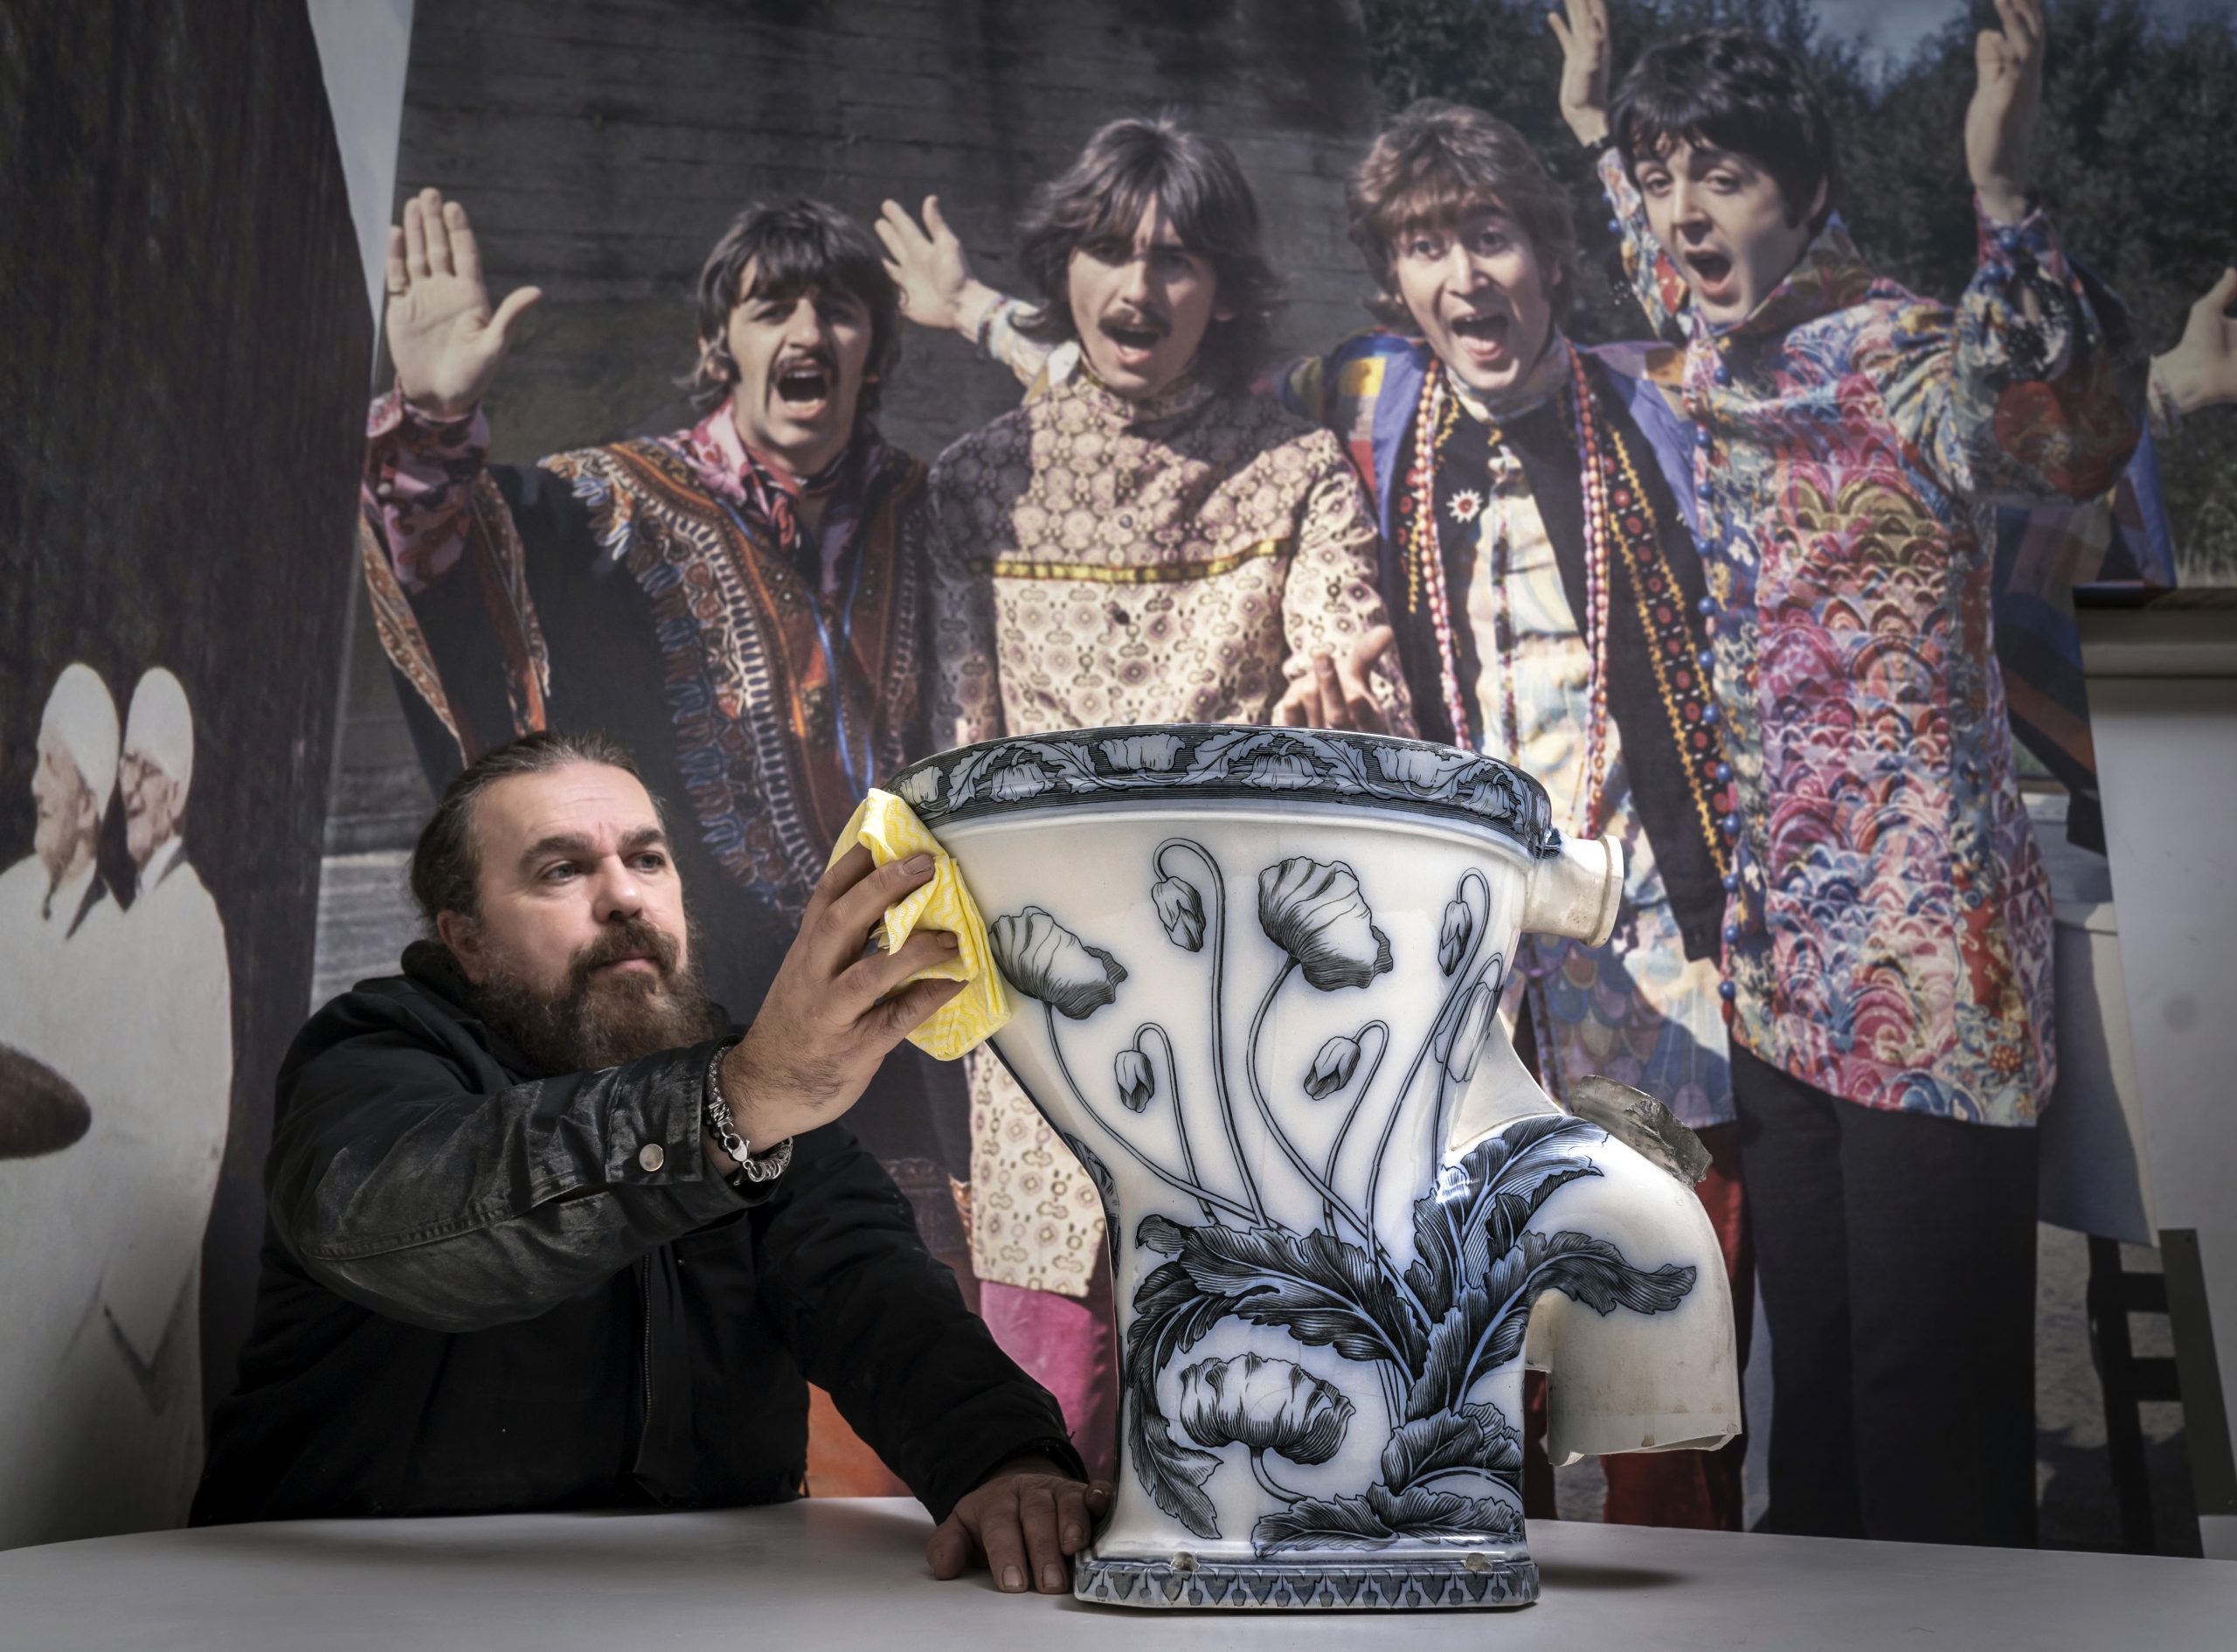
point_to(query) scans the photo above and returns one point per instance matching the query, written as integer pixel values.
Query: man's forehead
(1439, 215)
(604, 807)
(1693, 151)
(790, 289)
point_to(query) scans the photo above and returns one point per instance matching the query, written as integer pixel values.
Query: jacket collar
(429, 966)
(1546, 377)
(1831, 276)
(1071, 379)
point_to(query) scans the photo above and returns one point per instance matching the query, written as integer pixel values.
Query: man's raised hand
(928, 263)
(442, 336)
(1583, 93)
(2202, 369)
(2000, 123)
(834, 1010)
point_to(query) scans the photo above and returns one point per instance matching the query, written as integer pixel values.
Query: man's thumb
(517, 304)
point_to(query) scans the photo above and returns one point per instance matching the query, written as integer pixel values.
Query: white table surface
(823, 1575)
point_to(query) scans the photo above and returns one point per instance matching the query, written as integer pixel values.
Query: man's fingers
(855, 913)
(1329, 690)
(866, 982)
(1074, 1523)
(415, 238)
(2218, 297)
(1036, 1505)
(398, 278)
(948, 1549)
(437, 217)
(1003, 1541)
(1561, 32)
(936, 221)
(466, 251)
(912, 1007)
(840, 876)
(1297, 706)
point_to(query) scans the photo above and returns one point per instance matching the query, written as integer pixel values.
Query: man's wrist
(2002, 205)
(1592, 129)
(974, 309)
(744, 1150)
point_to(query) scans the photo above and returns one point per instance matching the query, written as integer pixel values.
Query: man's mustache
(630, 939)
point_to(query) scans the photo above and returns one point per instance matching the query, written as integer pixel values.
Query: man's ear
(462, 938)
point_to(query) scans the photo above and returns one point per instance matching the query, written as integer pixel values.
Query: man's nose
(618, 895)
(1134, 279)
(1465, 270)
(804, 327)
(1686, 204)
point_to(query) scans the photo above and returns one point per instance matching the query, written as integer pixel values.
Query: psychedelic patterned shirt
(1096, 561)
(1888, 934)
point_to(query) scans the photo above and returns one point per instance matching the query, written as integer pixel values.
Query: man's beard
(600, 1022)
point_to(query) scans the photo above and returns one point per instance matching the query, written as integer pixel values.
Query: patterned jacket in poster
(1095, 561)
(1888, 938)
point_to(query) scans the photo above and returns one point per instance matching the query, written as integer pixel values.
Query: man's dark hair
(1733, 90)
(799, 248)
(1196, 179)
(446, 865)
(1432, 166)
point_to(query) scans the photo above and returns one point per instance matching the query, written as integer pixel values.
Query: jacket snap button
(650, 1157)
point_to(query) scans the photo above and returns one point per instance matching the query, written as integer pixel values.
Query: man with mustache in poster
(1143, 542)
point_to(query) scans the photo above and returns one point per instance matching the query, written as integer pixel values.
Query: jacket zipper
(645, 1361)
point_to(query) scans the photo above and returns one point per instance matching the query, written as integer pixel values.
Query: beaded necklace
(1593, 471)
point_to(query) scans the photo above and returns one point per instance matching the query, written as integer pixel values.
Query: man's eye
(1723, 183)
(1107, 251)
(1422, 248)
(560, 872)
(1491, 241)
(652, 860)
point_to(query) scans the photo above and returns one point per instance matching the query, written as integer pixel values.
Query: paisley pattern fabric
(785, 700)
(1888, 936)
(1096, 562)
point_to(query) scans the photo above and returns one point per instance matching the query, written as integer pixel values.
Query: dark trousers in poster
(1896, 1255)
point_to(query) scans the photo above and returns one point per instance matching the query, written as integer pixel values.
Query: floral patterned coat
(1096, 562)
(1888, 936)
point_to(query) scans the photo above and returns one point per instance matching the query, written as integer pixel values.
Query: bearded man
(545, 1233)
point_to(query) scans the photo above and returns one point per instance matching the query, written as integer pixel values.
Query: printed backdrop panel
(181, 385)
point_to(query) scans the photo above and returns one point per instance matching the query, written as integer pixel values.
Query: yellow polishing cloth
(891, 831)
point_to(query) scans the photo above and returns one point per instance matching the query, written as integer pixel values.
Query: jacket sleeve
(872, 1319)
(2027, 393)
(402, 1185)
(1331, 598)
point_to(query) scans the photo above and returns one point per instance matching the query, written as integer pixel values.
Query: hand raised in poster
(928, 263)
(1583, 90)
(2201, 369)
(2000, 123)
(445, 340)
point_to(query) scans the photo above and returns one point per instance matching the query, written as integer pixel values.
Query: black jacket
(476, 1297)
